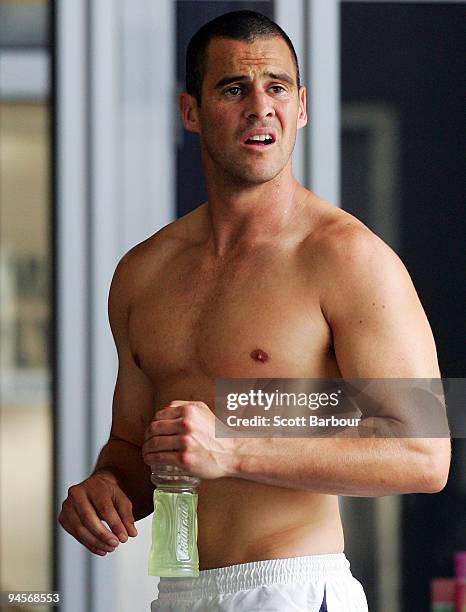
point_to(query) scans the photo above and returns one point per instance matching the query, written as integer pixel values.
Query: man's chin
(256, 176)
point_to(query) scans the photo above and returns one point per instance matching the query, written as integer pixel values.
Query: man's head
(247, 77)
(247, 26)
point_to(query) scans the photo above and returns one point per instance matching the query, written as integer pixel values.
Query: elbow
(435, 482)
(435, 467)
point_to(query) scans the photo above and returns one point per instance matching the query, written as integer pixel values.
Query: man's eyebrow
(240, 78)
(231, 79)
(281, 76)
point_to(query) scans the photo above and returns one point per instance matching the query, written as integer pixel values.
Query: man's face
(249, 93)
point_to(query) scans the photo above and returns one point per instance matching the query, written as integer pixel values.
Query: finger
(86, 508)
(172, 410)
(107, 512)
(160, 445)
(170, 458)
(124, 508)
(165, 443)
(165, 427)
(98, 551)
(75, 527)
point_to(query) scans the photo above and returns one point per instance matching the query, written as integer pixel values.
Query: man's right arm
(119, 489)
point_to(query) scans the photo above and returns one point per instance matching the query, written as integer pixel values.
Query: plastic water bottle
(173, 552)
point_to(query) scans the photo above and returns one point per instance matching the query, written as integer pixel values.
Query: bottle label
(184, 523)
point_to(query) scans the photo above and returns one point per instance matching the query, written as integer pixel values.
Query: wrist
(109, 473)
(234, 454)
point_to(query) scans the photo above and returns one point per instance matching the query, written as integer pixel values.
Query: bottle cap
(460, 564)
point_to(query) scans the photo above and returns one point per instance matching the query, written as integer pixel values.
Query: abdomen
(242, 521)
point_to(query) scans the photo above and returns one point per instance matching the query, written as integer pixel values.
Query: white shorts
(317, 583)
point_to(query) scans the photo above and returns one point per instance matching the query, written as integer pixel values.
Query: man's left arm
(379, 331)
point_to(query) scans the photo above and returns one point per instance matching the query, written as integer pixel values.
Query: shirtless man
(265, 280)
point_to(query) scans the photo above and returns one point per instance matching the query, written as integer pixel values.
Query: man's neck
(242, 216)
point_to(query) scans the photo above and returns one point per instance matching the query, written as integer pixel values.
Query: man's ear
(302, 112)
(189, 112)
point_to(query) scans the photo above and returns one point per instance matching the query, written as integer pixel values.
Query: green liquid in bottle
(173, 553)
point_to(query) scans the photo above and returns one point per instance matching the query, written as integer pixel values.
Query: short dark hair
(238, 25)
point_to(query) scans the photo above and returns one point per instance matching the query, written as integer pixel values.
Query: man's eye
(277, 88)
(233, 91)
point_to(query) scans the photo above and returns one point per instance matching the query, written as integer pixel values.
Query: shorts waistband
(250, 575)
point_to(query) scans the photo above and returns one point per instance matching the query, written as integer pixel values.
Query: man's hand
(183, 434)
(96, 499)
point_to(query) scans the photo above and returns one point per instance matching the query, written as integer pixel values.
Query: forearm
(344, 466)
(123, 461)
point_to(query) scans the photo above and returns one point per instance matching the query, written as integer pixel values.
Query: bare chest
(260, 319)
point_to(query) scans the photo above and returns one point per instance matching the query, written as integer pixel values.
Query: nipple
(260, 355)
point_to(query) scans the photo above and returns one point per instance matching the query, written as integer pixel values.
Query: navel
(259, 355)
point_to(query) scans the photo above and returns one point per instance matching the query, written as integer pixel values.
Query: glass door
(26, 428)
(403, 129)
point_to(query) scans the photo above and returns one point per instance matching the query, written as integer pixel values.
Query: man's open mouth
(259, 140)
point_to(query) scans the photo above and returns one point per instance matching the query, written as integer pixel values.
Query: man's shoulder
(340, 238)
(149, 257)
(349, 264)
(166, 242)
(342, 254)
(177, 234)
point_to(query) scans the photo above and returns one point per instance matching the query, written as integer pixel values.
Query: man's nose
(259, 105)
